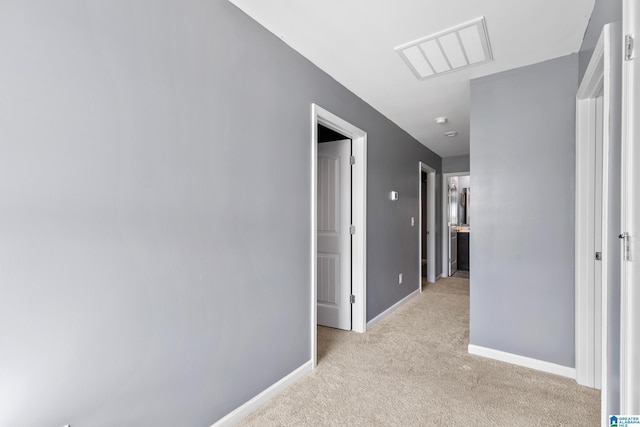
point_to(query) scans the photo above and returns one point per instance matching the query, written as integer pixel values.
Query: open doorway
(598, 256)
(427, 223)
(350, 189)
(456, 224)
(424, 233)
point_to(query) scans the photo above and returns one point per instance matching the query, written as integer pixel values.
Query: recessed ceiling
(354, 41)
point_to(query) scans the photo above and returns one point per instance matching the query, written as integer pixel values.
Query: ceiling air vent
(449, 50)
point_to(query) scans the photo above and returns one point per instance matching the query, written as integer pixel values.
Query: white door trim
(359, 215)
(445, 219)
(630, 274)
(430, 225)
(591, 309)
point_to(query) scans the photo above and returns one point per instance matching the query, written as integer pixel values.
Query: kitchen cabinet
(463, 250)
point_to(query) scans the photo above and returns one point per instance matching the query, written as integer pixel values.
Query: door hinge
(598, 256)
(628, 47)
(352, 299)
(352, 229)
(626, 249)
(352, 160)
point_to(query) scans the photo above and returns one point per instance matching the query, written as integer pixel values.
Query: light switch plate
(413, 221)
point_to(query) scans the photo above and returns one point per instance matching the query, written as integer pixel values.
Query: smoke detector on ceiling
(449, 50)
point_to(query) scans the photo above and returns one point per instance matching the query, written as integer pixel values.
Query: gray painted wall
(605, 12)
(145, 269)
(456, 164)
(389, 223)
(522, 254)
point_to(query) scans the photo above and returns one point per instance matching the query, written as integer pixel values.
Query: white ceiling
(354, 41)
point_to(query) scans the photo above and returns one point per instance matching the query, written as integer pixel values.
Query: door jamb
(358, 212)
(431, 223)
(445, 218)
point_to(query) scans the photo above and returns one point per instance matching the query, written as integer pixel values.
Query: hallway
(413, 369)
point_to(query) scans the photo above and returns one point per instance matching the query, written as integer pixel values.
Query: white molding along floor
(527, 362)
(238, 414)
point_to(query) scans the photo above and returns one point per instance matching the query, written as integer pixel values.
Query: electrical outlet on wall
(400, 279)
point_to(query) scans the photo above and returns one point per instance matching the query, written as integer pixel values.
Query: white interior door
(630, 283)
(334, 234)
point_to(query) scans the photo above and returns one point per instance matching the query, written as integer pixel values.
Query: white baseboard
(527, 362)
(391, 309)
(237, 415)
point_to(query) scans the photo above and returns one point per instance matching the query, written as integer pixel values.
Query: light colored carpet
(413, 369)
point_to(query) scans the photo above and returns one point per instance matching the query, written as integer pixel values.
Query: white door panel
(334, 237)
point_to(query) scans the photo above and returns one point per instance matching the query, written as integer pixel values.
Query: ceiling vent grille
(449, 50)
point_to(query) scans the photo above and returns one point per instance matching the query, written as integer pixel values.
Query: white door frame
(591, 309)
(430, 225)
(445, 219)
(358, 212)
(630, 274)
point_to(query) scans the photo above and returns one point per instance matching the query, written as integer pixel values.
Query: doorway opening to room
(427, 223)
(423, 221)
(598, 221)
(456, 224)
(338, 218)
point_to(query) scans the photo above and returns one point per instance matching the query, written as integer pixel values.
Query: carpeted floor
(413, 369)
